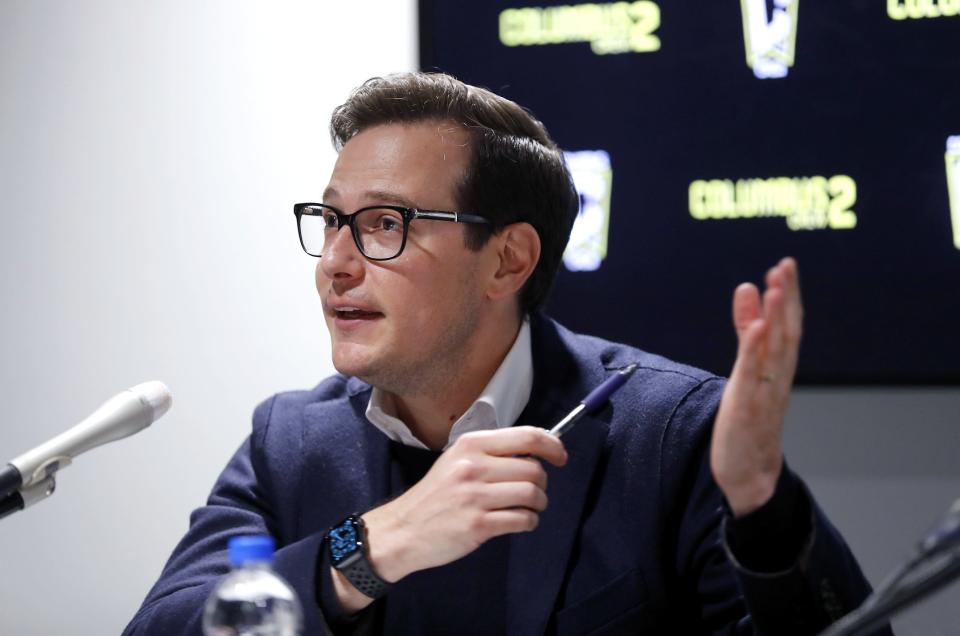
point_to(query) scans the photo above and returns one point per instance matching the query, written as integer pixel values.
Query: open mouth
(352, 313)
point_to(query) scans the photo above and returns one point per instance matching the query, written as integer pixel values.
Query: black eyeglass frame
(408, 214)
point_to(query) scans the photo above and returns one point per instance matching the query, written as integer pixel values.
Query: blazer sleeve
(823, 583)
(243, 501)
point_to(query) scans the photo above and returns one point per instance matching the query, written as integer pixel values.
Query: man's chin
(374, 372)
(349, 361)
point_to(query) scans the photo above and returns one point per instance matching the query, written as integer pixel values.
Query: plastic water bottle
(252, 600)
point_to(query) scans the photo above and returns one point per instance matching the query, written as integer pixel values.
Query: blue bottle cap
(258, 547)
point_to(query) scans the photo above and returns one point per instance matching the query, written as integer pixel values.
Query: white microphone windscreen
(156, 395)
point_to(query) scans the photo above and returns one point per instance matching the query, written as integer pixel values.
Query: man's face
(417, 313)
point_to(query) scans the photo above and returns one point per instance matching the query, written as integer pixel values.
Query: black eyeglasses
(379, 231)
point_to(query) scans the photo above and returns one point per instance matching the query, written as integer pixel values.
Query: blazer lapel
(346, 459)
(538, 560)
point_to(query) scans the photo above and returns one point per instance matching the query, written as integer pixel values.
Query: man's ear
(518, 251)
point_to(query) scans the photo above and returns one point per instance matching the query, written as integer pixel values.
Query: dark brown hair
(517, 172)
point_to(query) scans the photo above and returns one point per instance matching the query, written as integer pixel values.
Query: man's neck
(430, 416)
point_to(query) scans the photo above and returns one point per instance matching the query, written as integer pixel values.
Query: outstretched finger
(793, 302)
(774, 314)
(746, 307)
(750, 352)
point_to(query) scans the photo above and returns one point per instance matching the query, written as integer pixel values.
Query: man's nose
(341, 257)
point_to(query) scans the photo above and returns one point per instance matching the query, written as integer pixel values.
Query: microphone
(122, 415)
(946, 535)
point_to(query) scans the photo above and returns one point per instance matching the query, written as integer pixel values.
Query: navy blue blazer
(631, 541)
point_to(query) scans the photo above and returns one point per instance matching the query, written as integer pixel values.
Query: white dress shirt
(499, 405)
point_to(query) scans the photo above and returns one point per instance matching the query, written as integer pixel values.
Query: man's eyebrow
(393, 198)
(373, 197)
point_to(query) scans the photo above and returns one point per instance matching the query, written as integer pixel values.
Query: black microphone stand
(934, 567)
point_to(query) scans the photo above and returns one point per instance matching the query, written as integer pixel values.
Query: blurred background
(707, 140)
(150, 154)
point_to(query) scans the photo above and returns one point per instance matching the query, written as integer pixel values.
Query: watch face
(344, 541)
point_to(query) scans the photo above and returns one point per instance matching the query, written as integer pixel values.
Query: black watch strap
(347, 546)
(361, 575)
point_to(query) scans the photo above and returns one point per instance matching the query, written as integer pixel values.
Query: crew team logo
(770, 39)
(593, 178)
(953, 185)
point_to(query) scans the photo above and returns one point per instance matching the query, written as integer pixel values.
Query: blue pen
(597, 398)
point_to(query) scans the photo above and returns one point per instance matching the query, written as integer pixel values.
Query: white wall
(150, 154)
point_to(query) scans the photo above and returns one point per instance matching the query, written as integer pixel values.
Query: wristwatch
(347, 546)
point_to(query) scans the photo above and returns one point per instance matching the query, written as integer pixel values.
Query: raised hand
(745, 453)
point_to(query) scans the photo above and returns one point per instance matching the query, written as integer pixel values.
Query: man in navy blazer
(409, 493)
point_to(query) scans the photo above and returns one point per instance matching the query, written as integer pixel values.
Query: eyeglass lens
(378, 231)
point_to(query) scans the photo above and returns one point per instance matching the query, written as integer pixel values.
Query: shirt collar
(499, 405)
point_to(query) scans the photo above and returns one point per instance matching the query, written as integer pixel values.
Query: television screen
(709, 139)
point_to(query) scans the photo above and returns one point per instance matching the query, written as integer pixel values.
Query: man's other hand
(745, 454)
(487, 484)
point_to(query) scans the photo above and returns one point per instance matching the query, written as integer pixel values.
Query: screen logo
(593, 179)
(919, 9)
(806, 203)
(770, 40)
(953, 185)
(616, 27)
